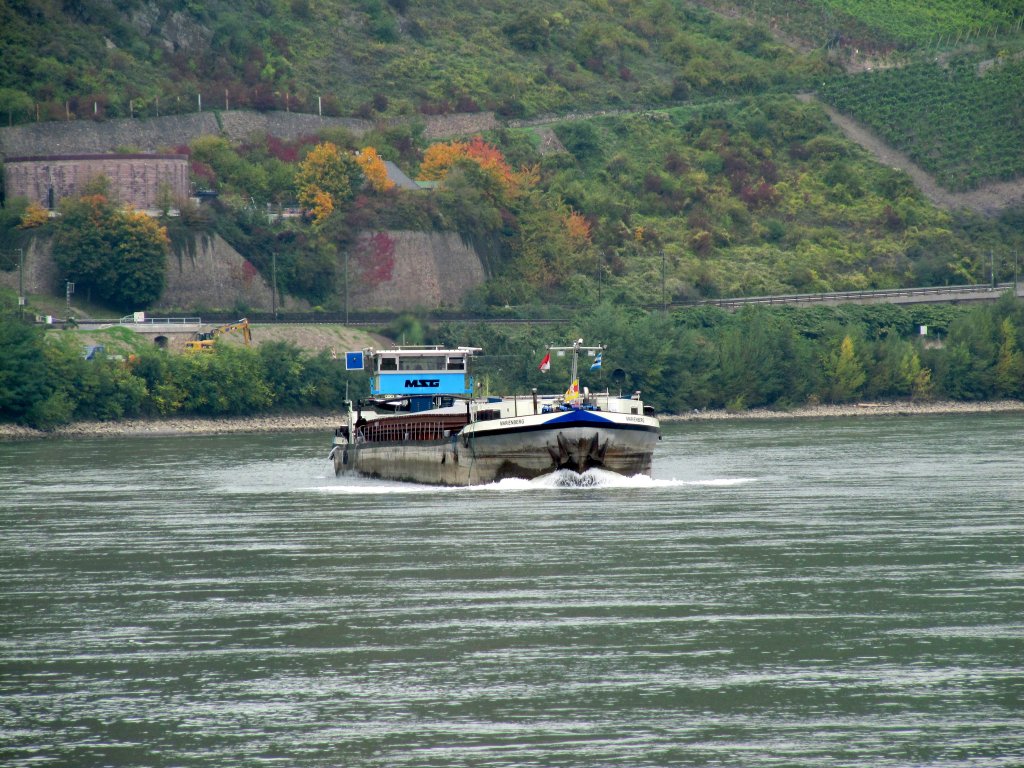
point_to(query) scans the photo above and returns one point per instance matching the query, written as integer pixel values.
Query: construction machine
(204, 341)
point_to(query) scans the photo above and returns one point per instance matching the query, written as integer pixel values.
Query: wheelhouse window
(423, 363)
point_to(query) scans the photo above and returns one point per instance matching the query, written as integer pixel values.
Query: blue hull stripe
(568, 422)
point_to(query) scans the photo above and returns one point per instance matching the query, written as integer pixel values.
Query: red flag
(545, 364)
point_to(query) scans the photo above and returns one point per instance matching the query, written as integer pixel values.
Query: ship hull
(522, 447)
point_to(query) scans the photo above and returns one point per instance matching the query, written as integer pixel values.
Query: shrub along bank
(695, 358)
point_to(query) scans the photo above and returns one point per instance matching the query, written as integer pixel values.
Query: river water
(838, 592)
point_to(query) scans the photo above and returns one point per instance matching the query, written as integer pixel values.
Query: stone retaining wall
(214, 276)
(160, 134)
(430, 270)
(88, 137)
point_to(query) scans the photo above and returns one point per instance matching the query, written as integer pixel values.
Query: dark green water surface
(784, 593)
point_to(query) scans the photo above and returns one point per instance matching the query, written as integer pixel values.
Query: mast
(576, 348)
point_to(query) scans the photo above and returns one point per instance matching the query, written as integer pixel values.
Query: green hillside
(964, 122)
(884, 24)
(706, 176)
(370, 57)
(683, 156)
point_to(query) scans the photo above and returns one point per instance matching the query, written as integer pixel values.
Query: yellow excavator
(204, 341)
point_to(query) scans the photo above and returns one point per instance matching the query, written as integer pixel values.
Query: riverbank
(158, 427)
(327, 423)
(881, 408)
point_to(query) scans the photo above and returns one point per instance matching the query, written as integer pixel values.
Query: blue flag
(596, 366)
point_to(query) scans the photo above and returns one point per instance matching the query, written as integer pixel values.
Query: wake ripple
(563, 479)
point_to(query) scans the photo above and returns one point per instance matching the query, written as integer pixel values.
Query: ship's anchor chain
(578, 455)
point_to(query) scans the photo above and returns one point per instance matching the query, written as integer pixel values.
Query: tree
(844, 373)
(1010, 364)
(439, 158)
(34, 216)
(327, 170)
(119, 254)
(23, 379)
(14, 101)
(374, 170)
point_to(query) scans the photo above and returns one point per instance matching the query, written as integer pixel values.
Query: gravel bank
(180, 427)
(883, 408)
(327, 424)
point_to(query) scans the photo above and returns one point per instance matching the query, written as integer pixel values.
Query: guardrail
(130, 320)
(559, 313)
(854, 296)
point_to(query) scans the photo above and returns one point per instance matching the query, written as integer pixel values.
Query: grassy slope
(827, 218)
(550, 56)
(759, 197)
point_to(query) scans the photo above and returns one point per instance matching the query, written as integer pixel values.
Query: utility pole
(69, 288)
(992, 266)
(346, 286)
(21, 283)
(273, 288)
(664, 306)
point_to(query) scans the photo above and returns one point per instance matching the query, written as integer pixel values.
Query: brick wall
(135, 180)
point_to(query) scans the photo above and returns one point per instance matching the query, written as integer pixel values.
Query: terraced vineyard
(964, 127)
(880, 25)
(926, 21)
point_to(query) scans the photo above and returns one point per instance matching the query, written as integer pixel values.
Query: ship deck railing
(401, 430)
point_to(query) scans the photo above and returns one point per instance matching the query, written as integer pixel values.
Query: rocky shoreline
(162, 427)
(882, 408)
(327, 423)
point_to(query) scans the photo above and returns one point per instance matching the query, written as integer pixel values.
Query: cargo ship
(423, 423)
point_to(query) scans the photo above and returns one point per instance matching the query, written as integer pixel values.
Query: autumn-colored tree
(374, 170)
(578, 227)
(34, 216)
(490, 159)
(439, 158)
(321, 206)
(327, 170)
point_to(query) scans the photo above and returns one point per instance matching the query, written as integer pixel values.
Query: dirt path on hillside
(989, 199)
